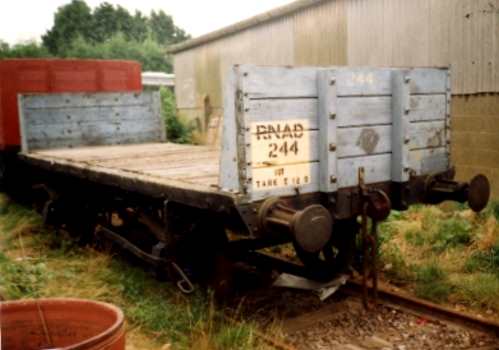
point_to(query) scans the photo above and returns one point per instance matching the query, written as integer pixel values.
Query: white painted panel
(376, 168)
(298, 147)
(284, 180)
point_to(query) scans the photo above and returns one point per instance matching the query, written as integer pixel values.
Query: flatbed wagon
(303, 153)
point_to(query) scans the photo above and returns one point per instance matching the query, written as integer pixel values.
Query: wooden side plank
(274, 110)
(363, 81)
(364, 141)
(76, 116)
(427, 107)
(427, 135)
(376, 169)
(429, 161)
(428, 81)
(82, 100)
(357, 111)
(73, 120)
(278, 82)
(118, 138)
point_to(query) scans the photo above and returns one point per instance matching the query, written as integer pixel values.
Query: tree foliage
(70, 21)
(25, 50)
(148, 52)
(105, 32)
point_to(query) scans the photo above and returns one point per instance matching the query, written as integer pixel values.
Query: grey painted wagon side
(394, 123)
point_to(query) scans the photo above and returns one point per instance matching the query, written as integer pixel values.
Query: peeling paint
(368, 140)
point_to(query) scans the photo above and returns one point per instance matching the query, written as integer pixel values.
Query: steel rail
(409, 303)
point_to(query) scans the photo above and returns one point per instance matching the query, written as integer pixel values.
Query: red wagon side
(56, 75)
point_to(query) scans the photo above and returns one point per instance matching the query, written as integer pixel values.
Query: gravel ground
(342, 323)
(351, 327)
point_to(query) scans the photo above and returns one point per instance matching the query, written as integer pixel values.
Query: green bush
(176, 130)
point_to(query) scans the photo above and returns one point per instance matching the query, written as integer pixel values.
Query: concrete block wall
(475, 137)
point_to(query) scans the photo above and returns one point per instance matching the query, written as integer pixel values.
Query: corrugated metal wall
(460, 33)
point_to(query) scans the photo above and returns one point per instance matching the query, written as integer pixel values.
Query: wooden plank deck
(177, 167)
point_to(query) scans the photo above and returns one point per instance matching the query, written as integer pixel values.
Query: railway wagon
(54, 76)
(305, 152)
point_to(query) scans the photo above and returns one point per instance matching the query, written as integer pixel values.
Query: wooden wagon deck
(165, 167)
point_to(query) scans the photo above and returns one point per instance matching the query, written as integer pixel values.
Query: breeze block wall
(475, 137)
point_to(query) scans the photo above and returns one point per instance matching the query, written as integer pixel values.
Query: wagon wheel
(337, 256)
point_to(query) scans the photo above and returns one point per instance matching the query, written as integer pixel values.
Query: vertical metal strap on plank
(327, 107)
(22, 123)
(401, 125)
(243, 134)
(229, 170)
(448, 101)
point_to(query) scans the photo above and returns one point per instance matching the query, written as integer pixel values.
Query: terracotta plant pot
(64, 324)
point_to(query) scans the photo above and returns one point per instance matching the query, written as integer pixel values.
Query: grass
(37, 263)
(432, 282)
(445, 253)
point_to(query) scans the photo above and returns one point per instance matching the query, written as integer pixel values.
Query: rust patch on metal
(368, 140)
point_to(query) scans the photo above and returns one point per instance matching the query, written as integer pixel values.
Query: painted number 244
(283, 148)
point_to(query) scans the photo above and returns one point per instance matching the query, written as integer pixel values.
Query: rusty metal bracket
(175, 273)
(183, 283)
(369, 244)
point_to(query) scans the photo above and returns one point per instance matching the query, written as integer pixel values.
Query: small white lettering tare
(292, 175)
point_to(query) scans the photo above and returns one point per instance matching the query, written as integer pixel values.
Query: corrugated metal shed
(461, 33)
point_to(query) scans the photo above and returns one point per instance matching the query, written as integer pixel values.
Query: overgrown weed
(432, 282)
(445, 253)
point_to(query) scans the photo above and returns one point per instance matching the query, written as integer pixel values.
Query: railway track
(399, 321)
